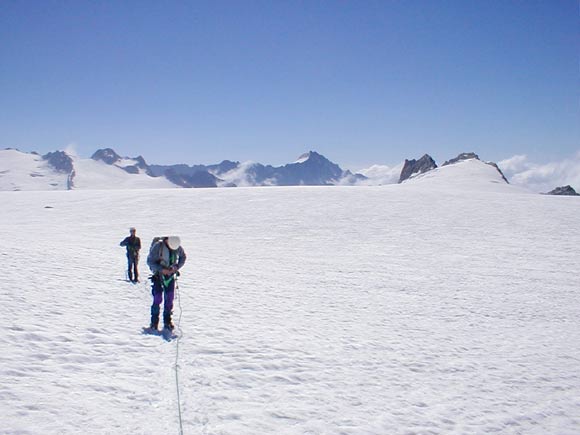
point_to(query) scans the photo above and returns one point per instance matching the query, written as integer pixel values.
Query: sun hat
(173, 242)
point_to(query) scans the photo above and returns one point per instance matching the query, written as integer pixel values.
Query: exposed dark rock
(179, 169)
(60, 161)
(141, 163)
(137, 167)
(197, 179)
(131, 169)
(563, 190)
(70, 181)
(110, 157)
(106, 155)
(223, 167)
(461, 157)
(413, 167)
(188, 171)
(499, 170)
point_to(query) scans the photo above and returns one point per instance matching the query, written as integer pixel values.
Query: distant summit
(63, 163)
(132, 165)
(106, 155)
(468, 156)
(414, 167)
(311, 169)
(563, 191)
(461, 157)
(106, 169)
(60, 161)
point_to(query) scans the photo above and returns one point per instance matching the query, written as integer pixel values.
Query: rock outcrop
(564, 191)
(60, 161)
(461, 157)
(63, 163)
(415, 167)
(106, 155)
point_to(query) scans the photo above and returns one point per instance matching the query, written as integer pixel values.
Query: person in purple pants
(165, 258)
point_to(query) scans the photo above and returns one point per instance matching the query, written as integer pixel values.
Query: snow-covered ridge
(471, 174)
(108, 170)
(28, 171)
(97, 175)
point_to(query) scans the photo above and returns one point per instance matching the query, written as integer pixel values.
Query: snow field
(20, 171)
(340, 310)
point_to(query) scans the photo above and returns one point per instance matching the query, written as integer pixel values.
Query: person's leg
(168, 306)
(157, 292)
(135, 268)
(129, 267)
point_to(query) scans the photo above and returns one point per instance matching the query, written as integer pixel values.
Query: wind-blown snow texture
(326, 310)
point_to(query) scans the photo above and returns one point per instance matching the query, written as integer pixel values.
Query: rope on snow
(176, 365)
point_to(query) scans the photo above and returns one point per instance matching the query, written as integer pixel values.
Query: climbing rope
(176, 366)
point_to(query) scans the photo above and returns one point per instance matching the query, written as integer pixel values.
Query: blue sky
(362, 82)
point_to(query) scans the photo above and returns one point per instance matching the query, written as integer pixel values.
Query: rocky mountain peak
(461, 157)
(413, 167)
(107, 155)
(60, 161)
(311, 157)
(563, 191)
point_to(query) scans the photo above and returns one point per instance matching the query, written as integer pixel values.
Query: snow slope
(27, 171)
(305, 310)
(92, 174)
(23, 171)
(466, 175)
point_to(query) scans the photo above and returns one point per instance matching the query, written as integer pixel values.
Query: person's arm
(125, 242)
(182, 258)
(153, 259)
(138, 245)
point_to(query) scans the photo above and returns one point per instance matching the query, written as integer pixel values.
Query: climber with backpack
(166, 257)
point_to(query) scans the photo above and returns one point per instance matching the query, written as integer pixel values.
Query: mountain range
(106, 169)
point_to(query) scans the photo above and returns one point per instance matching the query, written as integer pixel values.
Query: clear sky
(362, 82)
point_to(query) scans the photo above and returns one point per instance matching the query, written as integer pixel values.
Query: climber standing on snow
(133, 245)
(165, 258)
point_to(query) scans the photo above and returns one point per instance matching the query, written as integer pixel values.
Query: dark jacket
(133, 245)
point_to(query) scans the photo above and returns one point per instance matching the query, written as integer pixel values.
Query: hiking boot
(167, 321)
(154, 321)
